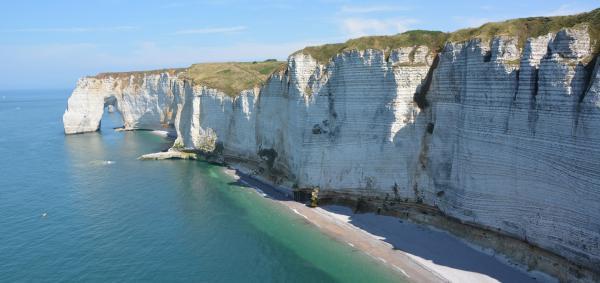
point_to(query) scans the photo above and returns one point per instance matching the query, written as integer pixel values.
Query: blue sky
(49, 44)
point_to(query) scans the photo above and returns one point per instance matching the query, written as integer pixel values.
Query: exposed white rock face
(144, 100)
(513, 148)
(506, 138)
(357, 130)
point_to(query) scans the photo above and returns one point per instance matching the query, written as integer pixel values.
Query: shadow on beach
(437, 246)
(267, 190)
(441, 248)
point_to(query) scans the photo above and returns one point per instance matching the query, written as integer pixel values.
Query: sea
(83, 208)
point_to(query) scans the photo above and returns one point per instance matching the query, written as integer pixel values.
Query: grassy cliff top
(172, 71)
(533, 27)
(432, 39)
(232, 77)
(522, 28)
(229, 77)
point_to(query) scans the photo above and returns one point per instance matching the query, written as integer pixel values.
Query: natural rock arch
(85, 110)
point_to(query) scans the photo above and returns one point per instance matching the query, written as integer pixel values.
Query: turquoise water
(151, 221)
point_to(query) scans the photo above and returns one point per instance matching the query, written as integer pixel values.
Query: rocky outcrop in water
(494, 135)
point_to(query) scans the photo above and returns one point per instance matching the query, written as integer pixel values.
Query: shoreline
(337, 230)
(422, 265)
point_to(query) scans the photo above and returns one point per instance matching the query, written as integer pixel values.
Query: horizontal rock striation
(491, 134)
(145, 101)
(513, 148)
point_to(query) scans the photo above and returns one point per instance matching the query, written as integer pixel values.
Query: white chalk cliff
(503, 137)
(144, 101)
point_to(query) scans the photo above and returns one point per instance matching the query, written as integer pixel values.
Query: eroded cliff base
(513, 250)
(507, 248)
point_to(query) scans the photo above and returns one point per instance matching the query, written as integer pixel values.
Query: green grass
(432, 39)
(522, 28)
(172, 71)
(513, 62)
(137, 76)
(232, 77)
(533, 27)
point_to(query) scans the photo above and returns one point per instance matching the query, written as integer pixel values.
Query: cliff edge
(496, 128)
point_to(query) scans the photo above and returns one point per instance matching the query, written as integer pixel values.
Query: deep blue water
(111, 217)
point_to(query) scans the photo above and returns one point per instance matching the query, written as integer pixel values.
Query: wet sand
(419, 253)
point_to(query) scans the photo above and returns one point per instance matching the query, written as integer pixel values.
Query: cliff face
(489, 134)
(515, 146)
(145, 101)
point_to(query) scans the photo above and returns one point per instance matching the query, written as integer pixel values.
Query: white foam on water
(102, 162)
(401, 270)
(297, 212)
(260, 192)
(160, 133)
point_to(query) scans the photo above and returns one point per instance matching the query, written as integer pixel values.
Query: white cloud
(211, 30)
(372, 9)
(355, 27)
(70, 29)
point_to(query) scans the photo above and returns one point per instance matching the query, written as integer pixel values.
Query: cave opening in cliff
(111, 117)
